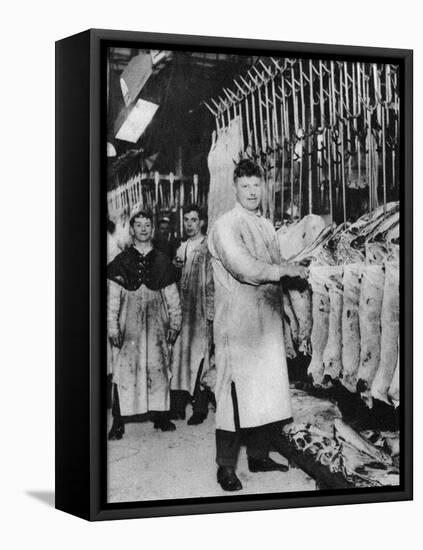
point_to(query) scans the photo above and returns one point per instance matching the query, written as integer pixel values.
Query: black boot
(265, 465)
(162, 422)
(196, 418)
(200, 404)
(117, 430)
(227, 479)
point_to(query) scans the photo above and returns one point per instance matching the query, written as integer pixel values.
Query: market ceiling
(179, 83)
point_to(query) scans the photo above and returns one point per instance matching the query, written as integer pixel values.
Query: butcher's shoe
(196, 418)
(116, 431)
(165, 425)
(227, 479)
(265, 465)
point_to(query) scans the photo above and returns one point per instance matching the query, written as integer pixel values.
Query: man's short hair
(141, 214)
(247, 168)
(194, 208)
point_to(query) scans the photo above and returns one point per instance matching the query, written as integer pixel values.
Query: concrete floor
(150, 465)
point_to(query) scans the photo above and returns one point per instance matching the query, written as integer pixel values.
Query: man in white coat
(252, 387)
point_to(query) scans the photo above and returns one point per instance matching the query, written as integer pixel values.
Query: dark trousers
(200, 398)
(257, 440)
(178, 400)
(115, 402)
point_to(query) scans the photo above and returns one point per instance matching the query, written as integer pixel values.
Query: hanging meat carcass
(289, 343)
(301, 305)
(291, 318)
(370, 310)
(379, 235)
(297, 302)
(319, 276)
(389, 335)
(351, 326)
(318, 253)
(224, 153)
(381, 245)
(332, 355)
(394, 388)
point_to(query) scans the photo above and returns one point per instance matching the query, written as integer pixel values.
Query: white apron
(248, 321)
(196, 293)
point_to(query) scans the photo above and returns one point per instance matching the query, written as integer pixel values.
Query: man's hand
(115, 338)
(294, 270)
(171, 336)
(178, 262)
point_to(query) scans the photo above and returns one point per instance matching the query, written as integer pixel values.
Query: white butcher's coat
(248, 322)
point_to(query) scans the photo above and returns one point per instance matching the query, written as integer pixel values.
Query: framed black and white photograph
(234, 274)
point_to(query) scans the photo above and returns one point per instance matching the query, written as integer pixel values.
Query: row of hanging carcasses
(347, 319)
(318, 128)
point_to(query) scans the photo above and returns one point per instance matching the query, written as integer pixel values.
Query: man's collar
(240, 208)
(198, 237)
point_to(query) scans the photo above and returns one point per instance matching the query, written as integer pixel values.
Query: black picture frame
(80, 279)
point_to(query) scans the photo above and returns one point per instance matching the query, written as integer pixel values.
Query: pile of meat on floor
(321, 443)
(347, 318)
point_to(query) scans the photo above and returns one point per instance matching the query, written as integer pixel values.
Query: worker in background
(252, 386)
(191, 353)
(164, 240)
